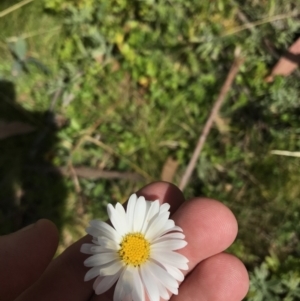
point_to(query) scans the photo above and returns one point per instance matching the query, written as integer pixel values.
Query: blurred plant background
(100, 97)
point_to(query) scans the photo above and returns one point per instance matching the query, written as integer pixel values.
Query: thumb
(24, 255)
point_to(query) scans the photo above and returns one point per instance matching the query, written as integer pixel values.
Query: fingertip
(210, 227)
(165, 192)
(221, 216)
(223, 277)
(47, 228)
(161, 189)
(241, 275)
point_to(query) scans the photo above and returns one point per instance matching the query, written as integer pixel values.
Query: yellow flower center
(134, 249)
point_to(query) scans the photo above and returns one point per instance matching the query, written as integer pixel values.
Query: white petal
(86, 248)
(173, 290)
(124, 285)
(139, 214)
(116, 220)
(169, 237)
(176, 273)
(170, 227)
(148, 205)
(113, 268)
(152, 212)
(120, 209)
(171, 258)
(128, 281)
(122, 216)
(113, 235)
(164, 208)
(92, 273)
(154, 208)
(119, 293)
(157, 226)
(150, 283)
(164, 277)
(130, 211)
(107, 243)
(93, 231)
(100, 249)
(106, 283)
(100, 259)
(106, 230)
(174, 244)
(162, 291)
(138, 292)
(95, 241)
(127, 298)
(97, 281)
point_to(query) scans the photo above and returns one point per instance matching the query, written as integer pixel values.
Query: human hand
(209, 229)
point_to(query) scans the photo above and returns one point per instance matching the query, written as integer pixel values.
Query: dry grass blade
(214, 112)
(112, 151)
(14, 7)
(94, 174)
(259, 22)
(89, 173)
(169, 170)
(285, 153)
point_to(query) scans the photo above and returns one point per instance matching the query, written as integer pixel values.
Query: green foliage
(21, 61)
(271, 281)
(136, 81)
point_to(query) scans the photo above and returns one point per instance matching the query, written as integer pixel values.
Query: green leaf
(17, 68)
(38, 64)
(20, 49)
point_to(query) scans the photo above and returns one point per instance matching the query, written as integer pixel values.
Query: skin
(27, 271)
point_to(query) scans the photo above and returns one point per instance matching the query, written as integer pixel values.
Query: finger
(64, 277)
(222, 277)
(209, 228)
(24, 255)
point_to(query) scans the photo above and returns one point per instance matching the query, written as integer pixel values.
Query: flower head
(137, 252)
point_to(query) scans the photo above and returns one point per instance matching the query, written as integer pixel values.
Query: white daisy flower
(137, 252)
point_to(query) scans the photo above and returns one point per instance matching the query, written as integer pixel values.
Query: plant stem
(14, 7)
(285, 153)
(258, 23)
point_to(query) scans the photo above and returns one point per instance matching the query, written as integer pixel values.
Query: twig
(54, 99)
(245, 20)
(226, 86)
(259, 22)
(94, 173)
(88, 132)
(80, 208)
(88, 172)
(33, 34)
(14, 7)
(112, 151)
(285, 153)
(73, 174)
